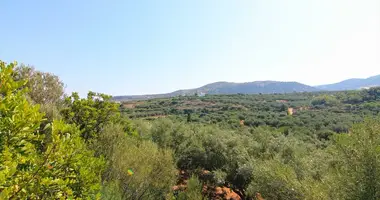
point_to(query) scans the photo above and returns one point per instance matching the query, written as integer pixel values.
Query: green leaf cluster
(33, 167)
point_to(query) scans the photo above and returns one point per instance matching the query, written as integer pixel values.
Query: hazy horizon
(150, 47)
(244, 82)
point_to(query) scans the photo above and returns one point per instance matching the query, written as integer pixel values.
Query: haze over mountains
(352, 84)
(263, 87)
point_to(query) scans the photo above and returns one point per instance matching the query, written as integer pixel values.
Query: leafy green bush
(356, 168)
(193, 190)
(34, 168)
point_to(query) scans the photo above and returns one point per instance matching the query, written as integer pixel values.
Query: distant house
(201, 94)
(290, 111)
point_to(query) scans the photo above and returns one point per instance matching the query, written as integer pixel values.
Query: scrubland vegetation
(53, 145)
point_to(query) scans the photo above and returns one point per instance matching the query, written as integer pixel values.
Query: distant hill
(264, 87)
(352, 84)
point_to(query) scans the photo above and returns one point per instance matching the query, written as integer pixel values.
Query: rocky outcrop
(211, 192)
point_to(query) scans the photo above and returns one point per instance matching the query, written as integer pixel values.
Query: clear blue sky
(137, 47)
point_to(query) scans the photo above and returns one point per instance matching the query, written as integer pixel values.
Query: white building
(201, 94)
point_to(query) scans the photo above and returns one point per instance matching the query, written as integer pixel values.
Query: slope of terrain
(352, 84)
(264, 87)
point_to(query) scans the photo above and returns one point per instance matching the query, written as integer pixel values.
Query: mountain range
(352, 84)
(263, 87)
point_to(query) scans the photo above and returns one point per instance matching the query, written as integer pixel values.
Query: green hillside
(263, 87)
